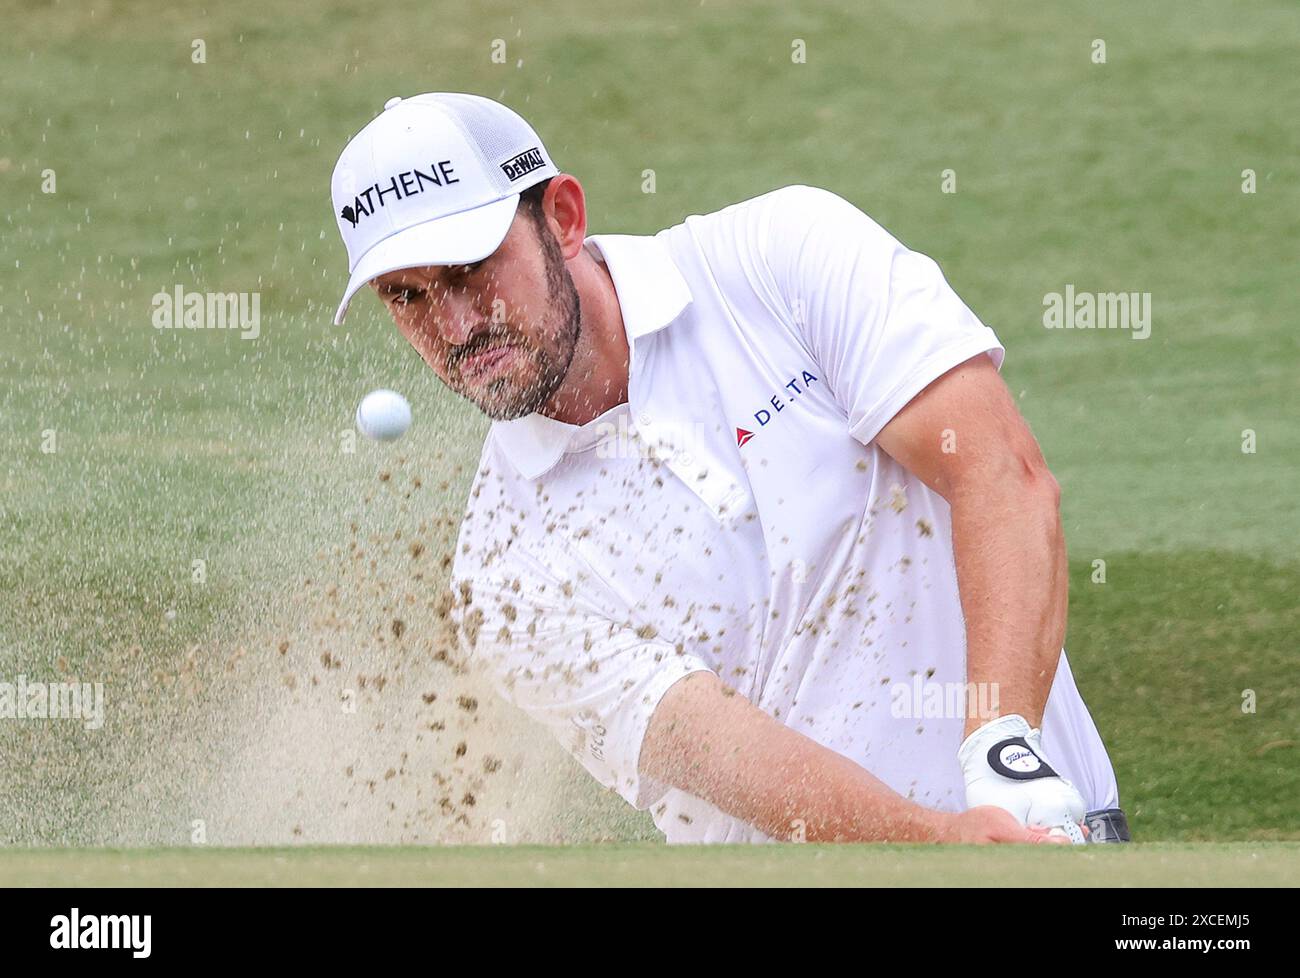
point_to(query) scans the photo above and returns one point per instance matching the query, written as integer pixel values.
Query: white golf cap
(432, 180)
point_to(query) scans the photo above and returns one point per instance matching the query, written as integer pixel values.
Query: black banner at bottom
(135, 928)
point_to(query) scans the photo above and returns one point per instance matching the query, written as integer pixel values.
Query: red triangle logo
(743, 436)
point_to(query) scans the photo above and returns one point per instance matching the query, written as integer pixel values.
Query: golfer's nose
(458, 318)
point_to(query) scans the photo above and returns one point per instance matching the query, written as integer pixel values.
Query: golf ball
(383, 415)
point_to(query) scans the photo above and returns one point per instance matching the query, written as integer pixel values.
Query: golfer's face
(493, 331)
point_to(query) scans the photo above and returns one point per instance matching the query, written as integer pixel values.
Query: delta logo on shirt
(763, 416)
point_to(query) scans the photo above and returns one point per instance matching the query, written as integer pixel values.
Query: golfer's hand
(1003, 765)
(987, 824)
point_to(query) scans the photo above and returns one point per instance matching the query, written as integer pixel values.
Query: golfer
(757, 531)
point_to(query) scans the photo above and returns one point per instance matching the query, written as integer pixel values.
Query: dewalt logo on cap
(525, 163)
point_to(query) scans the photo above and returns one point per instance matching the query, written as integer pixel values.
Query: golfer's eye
(402, 297)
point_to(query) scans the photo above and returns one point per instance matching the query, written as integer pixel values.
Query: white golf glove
(1003, 764)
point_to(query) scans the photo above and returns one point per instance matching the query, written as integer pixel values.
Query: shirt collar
(651, 294)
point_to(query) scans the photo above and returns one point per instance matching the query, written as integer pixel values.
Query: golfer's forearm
(1009, 548)
(804, 790)
(707, 741)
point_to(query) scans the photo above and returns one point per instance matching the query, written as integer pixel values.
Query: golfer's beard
(549, 361)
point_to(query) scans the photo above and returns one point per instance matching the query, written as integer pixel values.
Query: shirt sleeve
(592, 681)
(879, 319)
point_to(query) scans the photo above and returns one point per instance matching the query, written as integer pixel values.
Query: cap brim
(457, 239)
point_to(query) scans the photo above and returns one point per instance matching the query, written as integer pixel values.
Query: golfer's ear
(565, 207)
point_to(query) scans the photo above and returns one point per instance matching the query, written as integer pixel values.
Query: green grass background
(1117, 177)
(647, 864)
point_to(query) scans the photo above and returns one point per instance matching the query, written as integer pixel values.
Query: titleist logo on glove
(1014, 758)
(1003, 764)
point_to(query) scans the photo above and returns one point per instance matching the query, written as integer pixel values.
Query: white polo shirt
(735, 515)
